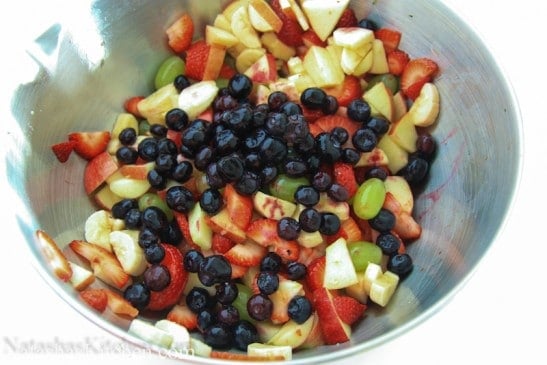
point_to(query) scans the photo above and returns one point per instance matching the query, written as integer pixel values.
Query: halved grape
(369, 198)
(240, 303)
(391, 81)
(168, 70)
(284, 186)
(362, 253)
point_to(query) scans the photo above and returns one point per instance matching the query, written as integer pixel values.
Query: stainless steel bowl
(104, 51)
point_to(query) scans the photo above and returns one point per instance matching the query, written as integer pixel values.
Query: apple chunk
(380, 99)
(263, 70)
(322, 67)
(98, 170)
(403, 132)
(324, 15)
(339, 270)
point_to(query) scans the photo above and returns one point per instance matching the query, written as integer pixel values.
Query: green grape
(222, 83)
(240, 303)
(391, 81)
(144, 127)
(168, 70)
(369, 198)
(152, 199)
(362, 253)
(284, 186)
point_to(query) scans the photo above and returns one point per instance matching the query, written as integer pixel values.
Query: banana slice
(248, 57)
(196, 98)
(98, 227)
(425, 109)
(243, 29)
(181, 336)
(148, 332)
(128, 251)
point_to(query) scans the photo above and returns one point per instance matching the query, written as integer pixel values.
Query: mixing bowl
(104, 51)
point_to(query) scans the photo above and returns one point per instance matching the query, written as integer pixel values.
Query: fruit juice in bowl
(259, 201)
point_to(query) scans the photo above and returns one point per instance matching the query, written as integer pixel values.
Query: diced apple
(293, 334)
(127, 187)
(322, 68)
(297, 13)
(364, 66)
(357, 290)
(148, 332)
(272, 207)
(339, 270)
(156, 105)
(400, 189)
(382, 288)
(287, 290)
(97, 170)
(277, 48)
(376, 157)
(221, 223)
(105, 198)
(223, 23)
(263, 18)
(301, 81)
(286, 86)
(372, 273)
(324, 15)
(219, 37)
(403, 132)
(264, 70)
(232, 7)
(396, 155)
(260, 94)
(399, 105)
(310, 239)
(197, 98)
(247, 57)
(315, 338)
(243, 29)
(379, 62)
(295, 66)
(200, 231)
(181, 336)
(349, 60)
(200, 348)
(380, 98)
(355, 38)
(269, 351)
(138, 172)
(425, 109)
(266, 330)
(214, 62)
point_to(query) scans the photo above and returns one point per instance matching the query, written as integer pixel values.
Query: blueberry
(181, 82)
(165, 163)
(331, 105)
(248, 184)
(228, 315)
(290, 108)
(415, 171)
(276, 124)
(260, 114)
(388, 243)
(182, 172)
(295, 168)
(157, 277)
(338, 193)
(133, 219)
(127, 136)
(299, 309)
(330, 224)
(310, 220)
(273, 150)
(154, 253)
(271, 262)
(359, 110)
(138, 295)
(322, 181)
(378, 125)
(400, 264)
(147, 237)
(158, 130)
(226, 142)
(313, 98)
(340, 134)
(276, 99)
(156, 179)
(240, 86)
(384, 221)
(230, 168)
(154, 218)
(350, 155)
(306, 195)
(245, 333)
(172, 234)
(327, 147)
(192, 260)
(296, 270)
(198, 299)
(176, 119)
(218, 336)
(205, 319)
(214, 269)
(179, 199)
(267, 282)
(368, 24)
(148, 149)
(211, 201)
(376, 172)
(203, 157)
(226, 292)
(127, 155)
(120, 209)
(259, 307)
(288, 228)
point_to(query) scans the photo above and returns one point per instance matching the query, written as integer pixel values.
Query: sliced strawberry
(223, 224)
(54, 256)
(307, 255)
(180, 33)
(348, 309)
(247, 254)
(348, 19)
(104, 264)
(291, 32)
(389, 37)
(240, 207)
(329, 122)
(334, 330)
(316, 273)
(310, 38)
(288, 250)
(315, 129)
(120, 305)
(311, 115)
(196, 59)
(175, 136)
(349, 90)
(169, 296)
(63, 150)
(95, 298)
(343, 174)
(221, 244)
(89, 144)
(130, 105)
(226, 72)
(184, 226)
(364, 226)
(182, 315)
(350, 230)
(397, 61)
(238, 271)
(416, 73)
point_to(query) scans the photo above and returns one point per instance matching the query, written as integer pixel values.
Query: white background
(499, 316)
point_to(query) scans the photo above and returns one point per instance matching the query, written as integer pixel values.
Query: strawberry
(311, 115)
(167, 297)
(415, 74)
(389, 37)
(247, 254)
(196, 59)
(334, 330)
(95, 298)
(316, 273)
(344, 175)
(130, 105)
(182, 315)
(329, 122)
(349, 90)
(226, 72)
(288, 250)
(310, 38)
(184, 226)
(89, 144)
(347, 19)
(63, 150)
(264, 232)
(348, 309)
(120, 305)
(397, 61)
(180, 33)
(221, 244)
(238, 271)
(315, 129)
(240, 207)
(291, 32)
(104, 264)
(350, 230)
(54, 256)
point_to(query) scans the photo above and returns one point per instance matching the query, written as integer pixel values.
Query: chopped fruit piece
(54, 256)
(196, 59)
(355, 38)
(149, 333)
(277, 48)
(347, 91)
(128, 251)
(240, 207)
(221, 223)
(239, 271)
(89, 144)
(316, 273)
(221, 244)
(417, 72)
(184, 227)
(243, 357)
(288, 250)
(169, 296)
(344, 175)
(323, 68)
(389, 37)
(154, 107)
(290, 32)
(405, 226)
(263, 18)
(180, 33)
(119, 305)
(181, 336)
(350, 230)
(264, 232)
(287, 290)
(81, 277)
(219, 37)
(324, 15)
(264, 70)
(63, 150)
(226, 72)
(379, 60)
(425, 109)
(329, 122)
(272, 207)
(383, 288)
(293, 334)
(131, 105)
(200, 232)
(347, 19)
(348, 308)
(334, 330)
(243, 29)
(270, 352)
(247, 254)
(380, 99)
(95, 298)
(397, 61)
(182, 315)
(310, 38)
(339, 269)
(403, 132)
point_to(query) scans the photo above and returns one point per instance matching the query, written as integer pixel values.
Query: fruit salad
(260, 199)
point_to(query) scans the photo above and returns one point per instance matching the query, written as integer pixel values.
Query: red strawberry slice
(120, 305)
(63, 150)
(196, 59)
(316, 273)
(416, 73)
(238, 271)
(89, 144)
(95, 298)
(349, 90)
(240, 207)
(350, 230)
(182, 315)
(347, 19)
(184, 226)
(169, 296)
(130, 105)
(226, 72)
(333, 329)
(221, 244)
(310, 38)
(180, 33)
(397, 61)
(288, 250)
(389, 37)
(247, 254)
(54, 256)
(329, 122)
(344, 175)
(291, 32)
(311, 115)
(348, 309)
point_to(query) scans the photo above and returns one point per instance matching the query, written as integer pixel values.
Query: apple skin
(98, 170)
(264, 70)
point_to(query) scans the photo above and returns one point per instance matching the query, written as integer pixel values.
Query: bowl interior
(90, 66)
